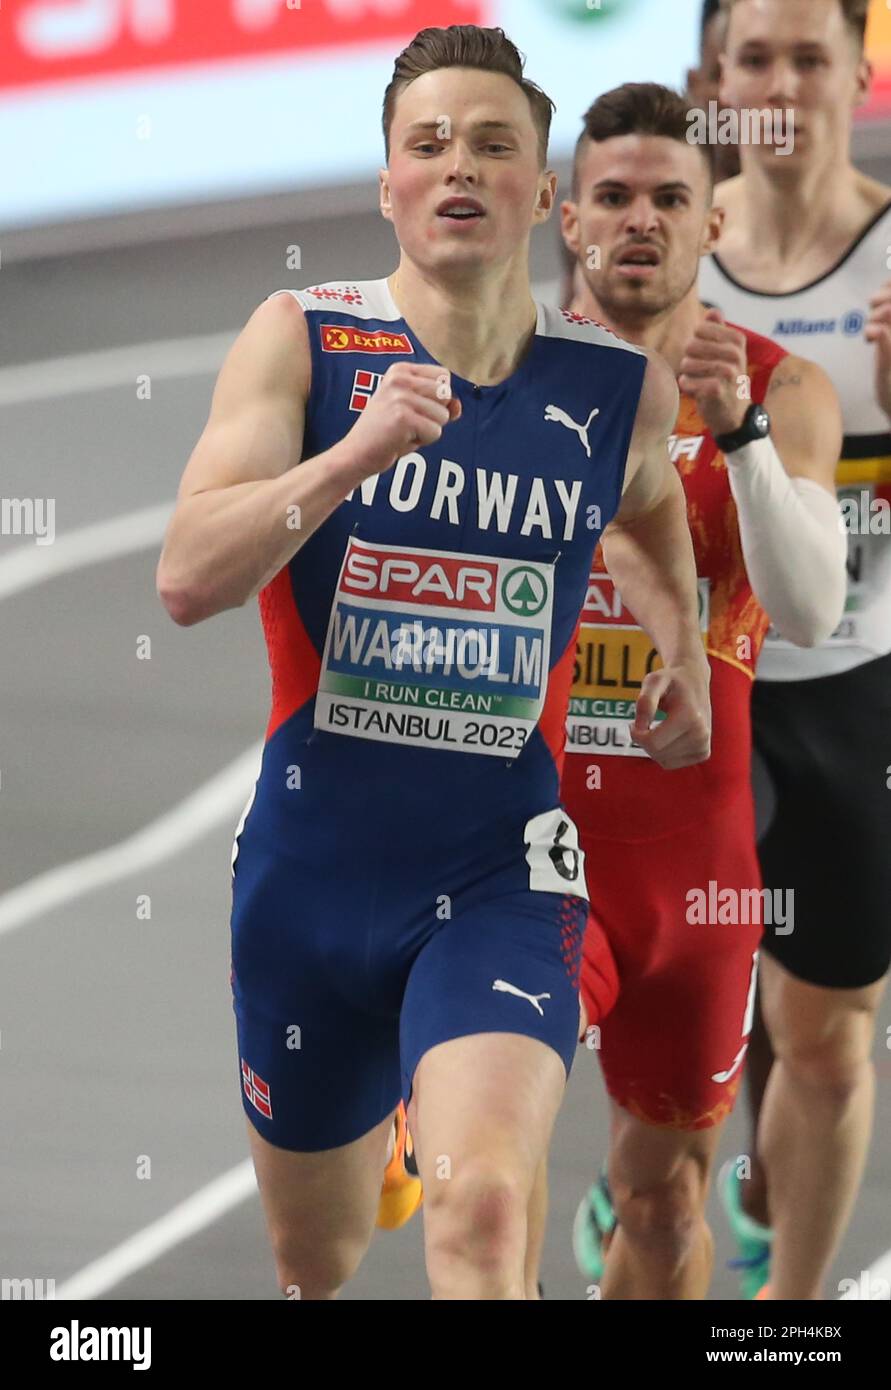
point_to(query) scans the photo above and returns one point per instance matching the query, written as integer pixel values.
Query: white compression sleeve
(794, 544)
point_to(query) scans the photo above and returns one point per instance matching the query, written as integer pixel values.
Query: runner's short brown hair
(467, 46)
(635, 108)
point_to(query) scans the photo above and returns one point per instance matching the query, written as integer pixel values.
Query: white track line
(90, 545)
(219, 799)
(882, 1268)
(204, 1207)
(162, 359)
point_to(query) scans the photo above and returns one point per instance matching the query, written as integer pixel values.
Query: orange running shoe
(402, 1193)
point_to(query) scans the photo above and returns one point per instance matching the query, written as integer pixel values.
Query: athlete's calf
(658, 1178)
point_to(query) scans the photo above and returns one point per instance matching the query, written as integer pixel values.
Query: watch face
(761, 421)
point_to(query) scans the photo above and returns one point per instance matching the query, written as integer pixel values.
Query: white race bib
(436, 649)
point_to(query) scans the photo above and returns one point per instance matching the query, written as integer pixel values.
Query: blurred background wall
(246, 133)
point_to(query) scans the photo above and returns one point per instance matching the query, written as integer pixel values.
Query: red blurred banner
(57, 40)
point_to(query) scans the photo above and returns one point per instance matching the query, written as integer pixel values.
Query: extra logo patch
(365, 384)
(337, 337)
(256, 1090)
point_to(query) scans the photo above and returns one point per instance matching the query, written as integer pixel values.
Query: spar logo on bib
(446, 581)
(436, 649)
(524, 591)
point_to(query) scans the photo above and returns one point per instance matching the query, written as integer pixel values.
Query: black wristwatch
(755, 425)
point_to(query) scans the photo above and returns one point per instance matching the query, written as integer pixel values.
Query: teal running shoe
(592, 1229)
(752, 1239)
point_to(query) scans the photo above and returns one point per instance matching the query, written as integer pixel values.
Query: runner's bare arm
(649, 553)
(229, 532)
(244, 507)
(647, 547)
(806, 420)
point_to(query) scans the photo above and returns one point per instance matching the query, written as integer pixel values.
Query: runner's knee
(829, 1069)
(663, 1216)
(479, 1214)
(314, 1270)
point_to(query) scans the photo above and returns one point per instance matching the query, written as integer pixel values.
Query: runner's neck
(479, 329)
(783, 233)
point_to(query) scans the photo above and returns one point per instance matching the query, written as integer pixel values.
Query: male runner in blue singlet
(409, 894)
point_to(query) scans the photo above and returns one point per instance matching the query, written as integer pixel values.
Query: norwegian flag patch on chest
(364, 386)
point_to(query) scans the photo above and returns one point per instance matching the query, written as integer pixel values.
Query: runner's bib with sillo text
(613, 657)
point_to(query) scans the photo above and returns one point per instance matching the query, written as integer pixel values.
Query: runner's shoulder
(659, 403)
(566, 323)
(771, 366)
(272, 351)
(762, 353)
(815, 392)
